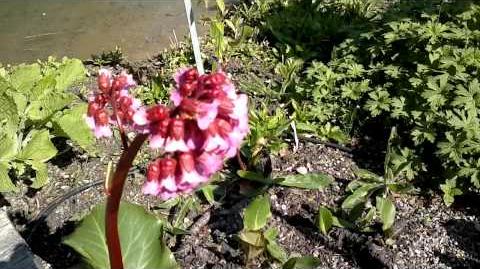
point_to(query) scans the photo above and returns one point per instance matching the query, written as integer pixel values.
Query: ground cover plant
(36, 106)
(362, 148)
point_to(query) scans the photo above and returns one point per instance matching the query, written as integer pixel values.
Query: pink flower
(205, 113)
(188, 177)
(161, 178)
(206, 125)
(175, 140)
(208, 163)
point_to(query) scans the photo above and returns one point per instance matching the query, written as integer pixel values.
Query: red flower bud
(167, 167)
(157, 113)
(189, 105)
(119, 83)
(186, 161)
(125, 102)
(103, 82)
(92, 109)
(161, 127)
(177, 129)
(190, 75)
(101, 117)
(218, 78)
(186, 89)
(153, 171)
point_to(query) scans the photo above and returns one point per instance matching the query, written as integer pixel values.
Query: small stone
(302, 170)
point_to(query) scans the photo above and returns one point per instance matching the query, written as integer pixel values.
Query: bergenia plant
(203, 127)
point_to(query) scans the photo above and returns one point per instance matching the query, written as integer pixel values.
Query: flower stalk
(114, 194)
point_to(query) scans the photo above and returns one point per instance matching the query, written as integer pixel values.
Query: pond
(35, 29)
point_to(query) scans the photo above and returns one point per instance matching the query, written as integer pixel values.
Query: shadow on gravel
(466, 234)
(47, 244)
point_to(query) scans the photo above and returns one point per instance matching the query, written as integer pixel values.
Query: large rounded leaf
(140, 237)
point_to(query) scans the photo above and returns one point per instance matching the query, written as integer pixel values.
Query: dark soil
(428, 234)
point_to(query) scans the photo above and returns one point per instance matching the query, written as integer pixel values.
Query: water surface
(35, 29)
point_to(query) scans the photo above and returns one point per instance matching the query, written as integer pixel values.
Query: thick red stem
(114, 194)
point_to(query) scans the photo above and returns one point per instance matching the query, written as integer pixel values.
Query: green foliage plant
(36, 105)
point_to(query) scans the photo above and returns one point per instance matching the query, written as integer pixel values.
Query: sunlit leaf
(307, 181)
(140, 238)
(386, 210)
(257, 214)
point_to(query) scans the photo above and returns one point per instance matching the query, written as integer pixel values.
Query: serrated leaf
(386, 210)
(306, 262)
(24, 77)
(41, 174)
(69, 72)
(324, 220)
(8, 109)
(257, 214)
(45, 107)
(6, 183)
(309, 181)
(8, 146)
(73, 126)
(42, 88)
(39, 147)
(140, 238)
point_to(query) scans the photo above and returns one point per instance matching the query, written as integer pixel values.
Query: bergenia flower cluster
(112, 104)
(204, 127)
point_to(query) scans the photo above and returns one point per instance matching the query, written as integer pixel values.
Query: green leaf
(45, 107)
(450, 190)
(365, 174)
(69, 72)
(41, 174)
(359, 196)
(140, 238)
(8, 109)
(253, 238)
(24, 77)
(72, 125)
(309, 181)
(386, 210)
(39, 147)
(221, 6)
(8, 146)
(276, 251)
(253, 176)
(6, 183)
(270, 234)
(324, 220)
(306, 262)
(257, 214)
(207, 191)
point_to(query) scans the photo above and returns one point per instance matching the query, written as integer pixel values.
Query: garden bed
(353, 112)
(429, 235)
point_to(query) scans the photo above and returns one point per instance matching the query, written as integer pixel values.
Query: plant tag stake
(193, 35)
